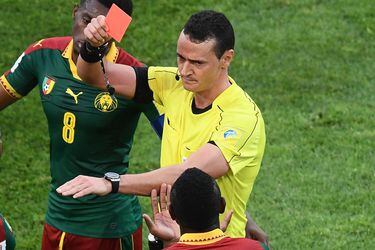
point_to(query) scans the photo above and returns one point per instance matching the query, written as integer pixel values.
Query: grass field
(309, 65)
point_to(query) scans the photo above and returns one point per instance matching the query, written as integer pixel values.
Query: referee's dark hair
(196, 201)
(209, 24)
(125, 5)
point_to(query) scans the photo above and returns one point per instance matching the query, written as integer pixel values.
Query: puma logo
(75, 96)
(39, 43)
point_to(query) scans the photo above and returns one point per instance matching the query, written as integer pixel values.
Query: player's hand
(163, 226)
(253, 231)
(225, 222)
(84, 185)
(96, 31)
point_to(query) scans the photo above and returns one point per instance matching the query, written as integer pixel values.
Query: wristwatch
(114, 178)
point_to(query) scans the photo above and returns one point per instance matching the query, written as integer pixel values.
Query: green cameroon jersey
(90, 134)
(7, 241)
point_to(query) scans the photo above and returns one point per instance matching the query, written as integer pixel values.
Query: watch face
(112, 175)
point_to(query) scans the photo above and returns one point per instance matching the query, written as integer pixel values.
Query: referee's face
(198, 64)
(82, 16)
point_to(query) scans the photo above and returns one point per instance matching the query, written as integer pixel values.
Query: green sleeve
(264, 246)
(21, 77)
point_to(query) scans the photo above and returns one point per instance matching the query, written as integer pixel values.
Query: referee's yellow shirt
(234, 123)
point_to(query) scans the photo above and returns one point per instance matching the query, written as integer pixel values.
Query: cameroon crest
(48, 84)
(105, 103)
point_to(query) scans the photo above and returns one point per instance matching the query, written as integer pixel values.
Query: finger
(83, 192)
(102, 22)
(100, 28)
(73, 186)
(95, 33)
(150, 224)
(90, 38)
(163, 199)
(67, 186)
(169, 189)
(73, 189)
(87, 34)
(70, 191)
(103, 27)
(224, 224)
(154, 202)
(228, 216)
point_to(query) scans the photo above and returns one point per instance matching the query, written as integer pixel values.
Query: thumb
(150, 224)
(224, 224)
(228, 216)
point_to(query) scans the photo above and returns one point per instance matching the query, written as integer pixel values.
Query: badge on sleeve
(48, 84)
(230, 134)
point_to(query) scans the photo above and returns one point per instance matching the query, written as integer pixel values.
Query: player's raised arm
(121, 77)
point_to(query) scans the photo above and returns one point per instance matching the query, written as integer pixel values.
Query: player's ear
(222, 205)
(75, 9)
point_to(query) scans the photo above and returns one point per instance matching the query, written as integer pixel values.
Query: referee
(210, 122)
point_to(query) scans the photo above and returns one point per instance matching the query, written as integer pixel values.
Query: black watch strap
(114, 178)
(115, 186)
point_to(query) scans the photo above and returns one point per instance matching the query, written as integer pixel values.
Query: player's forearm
(142, 184)
(5, 99)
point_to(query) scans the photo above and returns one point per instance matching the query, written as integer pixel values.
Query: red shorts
(54, 239)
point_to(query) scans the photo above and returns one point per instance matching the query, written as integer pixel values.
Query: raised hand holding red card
(117, 22)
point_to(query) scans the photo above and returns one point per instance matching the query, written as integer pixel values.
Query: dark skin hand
(253, 231)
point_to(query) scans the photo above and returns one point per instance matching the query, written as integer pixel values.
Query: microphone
(177, 77)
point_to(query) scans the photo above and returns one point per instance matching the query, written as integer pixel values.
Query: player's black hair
(209, 24)
(125, 5)
(196, 200)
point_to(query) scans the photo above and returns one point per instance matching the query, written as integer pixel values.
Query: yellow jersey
(234, 123)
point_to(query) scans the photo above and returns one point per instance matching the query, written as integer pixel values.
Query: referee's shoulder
(242, 104)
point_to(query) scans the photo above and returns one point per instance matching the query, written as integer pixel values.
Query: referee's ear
(222, 206)
(227, 58)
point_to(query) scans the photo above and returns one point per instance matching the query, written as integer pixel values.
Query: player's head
(211, 25)
(205, 49)
(196, 201)
(88, 9)
(125, 5)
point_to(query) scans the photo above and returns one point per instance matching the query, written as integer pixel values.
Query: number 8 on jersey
(68, 129)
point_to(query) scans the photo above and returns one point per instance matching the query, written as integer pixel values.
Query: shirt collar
(68, 52)
(223, 97)
(202, 238)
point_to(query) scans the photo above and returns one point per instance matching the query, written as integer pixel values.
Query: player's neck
(185, 230)
(207, 97)
(74, 57)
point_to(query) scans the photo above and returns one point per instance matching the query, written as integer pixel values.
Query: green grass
(308, 64)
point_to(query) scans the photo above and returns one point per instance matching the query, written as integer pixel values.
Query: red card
(117, 22)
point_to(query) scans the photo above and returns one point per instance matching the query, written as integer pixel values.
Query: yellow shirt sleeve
(162, 81)
(241, 139)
